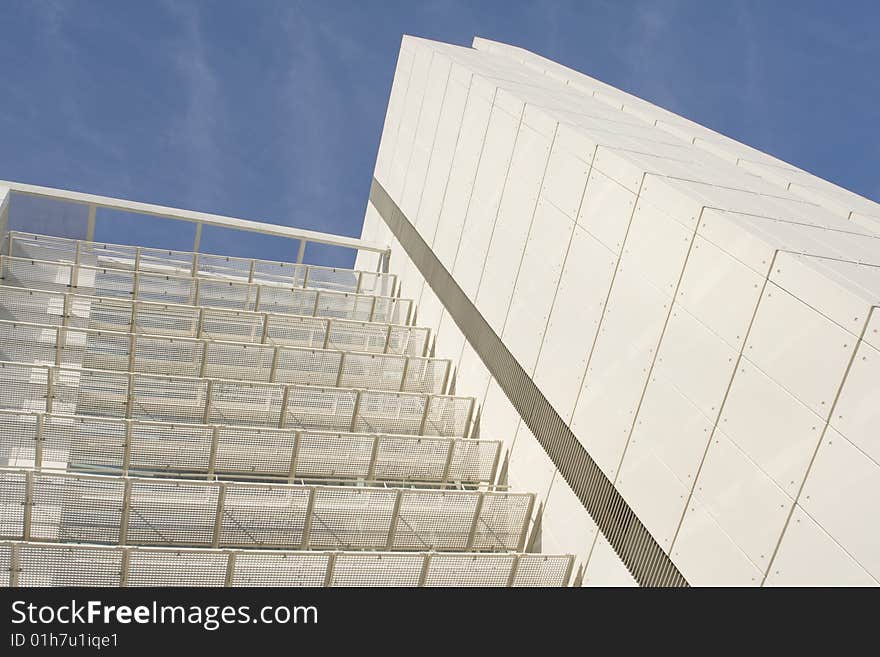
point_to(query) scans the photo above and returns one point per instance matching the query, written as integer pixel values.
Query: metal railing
(185, 321)
(200, 291)
(48, 564)
(201, 265)
(94, 202)
(121, 510)
(80, 391)
(200, 357)
(124, 446)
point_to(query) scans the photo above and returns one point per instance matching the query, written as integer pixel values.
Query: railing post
(355, 411)
(212, 456)
(206, 416)
(282, 417)
(28, 505)
(307, 521)
(90, 224)
(294, 456)
(198, 238)
(395, 517)
(38, 440)
(126, 453)
(230, 568)
(126, 512)
(5, 194)
(218, 516)
(300, 254)
(472, 535)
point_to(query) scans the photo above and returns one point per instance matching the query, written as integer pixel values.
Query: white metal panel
(430, 310)
(857, 411)
(619, 167)
(408, 122)
(445, 142)
(872, 330)
(742, 499)
(566, 527)
(719, 291)
(483, 209)
(539, 120)
(657, 245)
(842, 493)
(838, 290)
(648, 484)
(696, 361)
(423, 144)
(717, 227)
(473, 377)
(574, 320)
(803, 351)
(565, 179)
(574, 141)
(605, 567)
(396, 102)
(618, 369)
(673, 428)
(461, 177)
(536, 285)
(606, 210)
(499, 420)
(512, 227)
(530, 468)
(449, 338)
(777, 431)
(707, 556)
(808, 556)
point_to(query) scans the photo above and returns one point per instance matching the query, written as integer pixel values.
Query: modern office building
(675, 335)
(585, 342)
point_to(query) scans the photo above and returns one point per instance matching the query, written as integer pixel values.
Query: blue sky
(273, 110)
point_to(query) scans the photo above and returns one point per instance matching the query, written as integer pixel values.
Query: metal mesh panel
(377, 570)
(176, 568)
(74, 509)
(226, 294)
(542, 570)
(431, 520)
(173, 356)
(5, 565)
(281, 273)
(383, 412)
(474, 460)
(503, 517)
(269, 569)
(234, 402)
(319, 408)
(27, 343)
(426, 375)
(23, 387)
(35, 274)
(347, 306)
(328, 455)
(41, 247)
(89, 392)
(178, 262)
(330, 278)
(418, 459)
(18, 433)
(358, 517)
(97, 350)
(319, 368)
(59, 565)
(168, 399)
(12, 494)
(107, 282)
(181, 321)
(232, 325)
(239, 361)
(172, 512)
(20, 305)
(372, 371)
(252, 451)
(262, 516)
(360, 336)
(448, 416)
(288, 301)
(83, 443)
(299, 331)
(157, 448)
(476, 570)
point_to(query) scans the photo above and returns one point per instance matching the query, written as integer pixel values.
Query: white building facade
(675, 336)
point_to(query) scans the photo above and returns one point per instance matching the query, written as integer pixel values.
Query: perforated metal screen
(201, 291)
(29, 564)
(79, 508)
(183, 263)
(177, 320)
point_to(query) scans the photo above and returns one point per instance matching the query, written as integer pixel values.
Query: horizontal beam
(192, 216)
